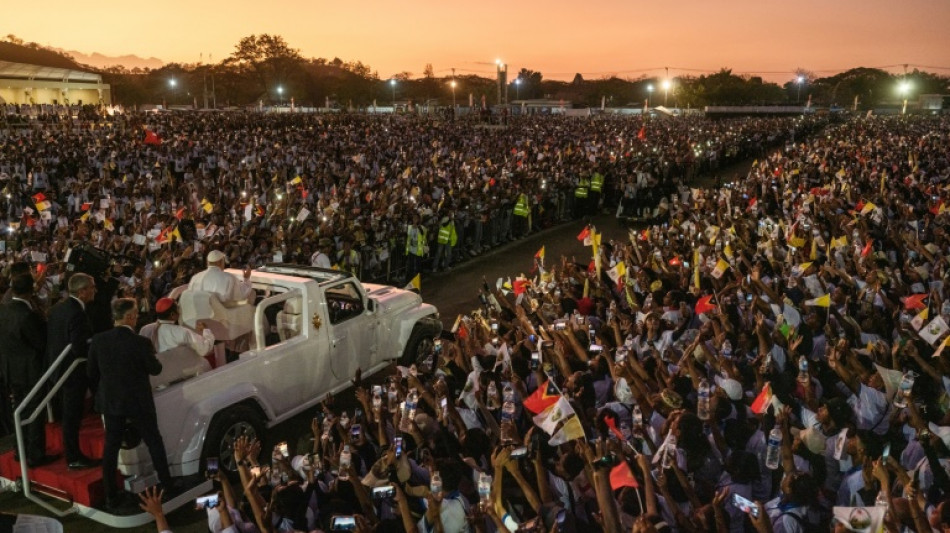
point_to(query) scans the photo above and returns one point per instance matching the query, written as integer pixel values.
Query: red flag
(584, 233)
(867, 248)
(621, 476)
(86, 206)
(152, 138)
(462, 332)
(39, 197)
(260, 210)
(180, 214)
(676, 261)
(762, 401)
(518, 286)
(915, 301)
(542, 398)
(642, 134)
(703, 305)
(753, 201)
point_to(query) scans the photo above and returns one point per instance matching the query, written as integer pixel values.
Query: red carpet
(84, 486)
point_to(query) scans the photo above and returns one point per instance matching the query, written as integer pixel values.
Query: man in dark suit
(22, 357)
(69, 325)
(120, 362)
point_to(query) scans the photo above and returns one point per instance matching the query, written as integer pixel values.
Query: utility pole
(204, 80)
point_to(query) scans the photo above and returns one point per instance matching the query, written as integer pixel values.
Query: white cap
(731, 387)
(216, 255)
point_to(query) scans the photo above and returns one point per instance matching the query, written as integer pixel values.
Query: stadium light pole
(649, 94)
(666, 92)
(392, 83)
(904, 89)
(453, 84)
(280, 94)
(517, 88)
(800, 80)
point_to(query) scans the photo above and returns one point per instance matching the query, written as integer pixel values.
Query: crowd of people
(764, 355)
(293, 187)
(768, 357)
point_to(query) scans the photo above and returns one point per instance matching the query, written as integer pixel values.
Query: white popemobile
(308, 332)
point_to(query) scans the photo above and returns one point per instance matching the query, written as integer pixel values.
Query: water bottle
(412, 402)
(625, 430)
(669, 454)
(377, 402)
(345, 458)
(344, 420)
(726, 349)
(637, 418)
(393, 396)
(492, 395)
(903, 390)
(881, 500)
(484, 488)
(702, 406)
(435, 484)
(774, 448)
(404, 417)
(803, 376)
(508, 409)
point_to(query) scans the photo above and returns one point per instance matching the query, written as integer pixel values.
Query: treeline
(264, 69)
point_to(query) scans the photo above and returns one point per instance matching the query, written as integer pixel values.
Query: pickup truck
(312, 329)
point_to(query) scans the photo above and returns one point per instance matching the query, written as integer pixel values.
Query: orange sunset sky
(556, 37)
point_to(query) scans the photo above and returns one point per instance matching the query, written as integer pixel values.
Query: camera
(384, 493)
(343, 523)
(209, 501)
(211, 464)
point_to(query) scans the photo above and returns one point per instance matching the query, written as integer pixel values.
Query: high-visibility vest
(596, 183)
(418, 247)
(581, 190)
(521, 208)
(447, 234)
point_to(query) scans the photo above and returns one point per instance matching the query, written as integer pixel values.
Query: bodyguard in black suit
(23, 358)
(69, 325)
(120, 362)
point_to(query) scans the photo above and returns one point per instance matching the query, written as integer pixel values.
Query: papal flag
(868, 207)
(206, 205)
(415, 283)
(571, 430)
(861, 519)
(821, 301)
(721, 267)
(556, 413)
(617, 272)
(918, 321)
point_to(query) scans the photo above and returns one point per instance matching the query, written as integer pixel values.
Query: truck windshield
(343, 302)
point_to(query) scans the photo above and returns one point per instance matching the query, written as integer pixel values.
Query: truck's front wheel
(419, 348)
(226, 427)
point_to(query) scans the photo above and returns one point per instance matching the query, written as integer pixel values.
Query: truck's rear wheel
(226, 428)
(419, 349)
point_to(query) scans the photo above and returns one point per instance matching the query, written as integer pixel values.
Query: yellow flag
(840, 242)
(728, 251)
(85, 216)
(868, 207)
(206, 205)
(176, 234)
(586, 287)
(821, 301)
(696, 268)
(416, 283)
(296, 180)
(721, 267)
(814, 250)
(797, 242)
(571, 430)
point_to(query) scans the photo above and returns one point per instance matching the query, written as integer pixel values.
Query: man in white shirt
(228, 288)
(321, 258)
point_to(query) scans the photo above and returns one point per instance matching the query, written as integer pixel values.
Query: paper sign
(302, 214)
(139, 239)
(37, 257)
(104, 203)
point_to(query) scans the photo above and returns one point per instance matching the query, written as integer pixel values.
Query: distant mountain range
(98, 60)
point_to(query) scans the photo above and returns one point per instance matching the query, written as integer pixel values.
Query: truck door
(352, 334)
